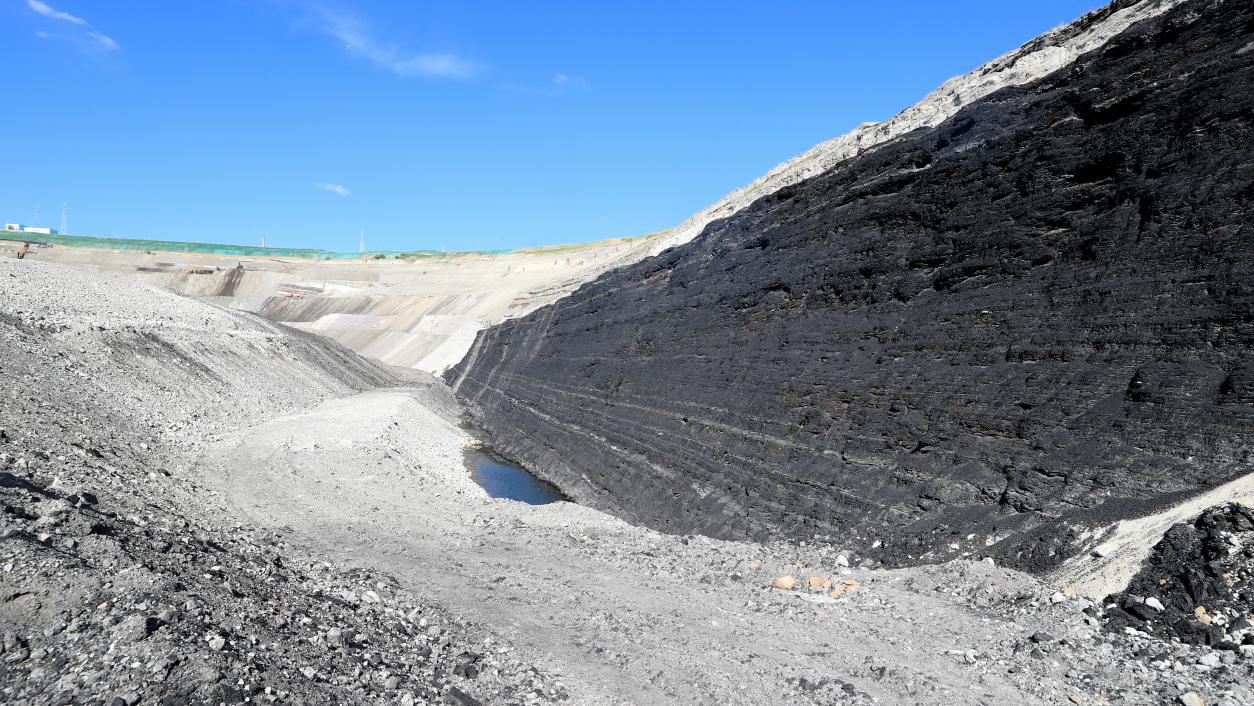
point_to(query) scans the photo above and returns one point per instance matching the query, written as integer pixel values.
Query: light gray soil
(200, 506)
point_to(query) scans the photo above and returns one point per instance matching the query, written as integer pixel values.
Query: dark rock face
(1038, 314)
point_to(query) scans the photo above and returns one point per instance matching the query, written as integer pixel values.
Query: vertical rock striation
(1035, 315)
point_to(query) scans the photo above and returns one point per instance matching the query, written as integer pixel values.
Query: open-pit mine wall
(426, 314)
(976, 337)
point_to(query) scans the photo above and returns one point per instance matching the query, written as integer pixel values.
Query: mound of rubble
(116, 598)
(1197, 586)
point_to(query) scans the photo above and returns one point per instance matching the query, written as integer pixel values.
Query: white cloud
(103, 41)
(48, 11)
(94, 40)
(575, 82)
(560, 85)
(336, 189)
(355, 36)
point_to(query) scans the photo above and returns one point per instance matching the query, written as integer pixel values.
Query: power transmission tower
(65, 209)
(361, 244)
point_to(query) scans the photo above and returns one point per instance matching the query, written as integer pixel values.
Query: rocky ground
(124, 582)
(203, 507)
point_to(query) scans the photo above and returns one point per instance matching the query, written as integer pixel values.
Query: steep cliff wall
(1035, 315)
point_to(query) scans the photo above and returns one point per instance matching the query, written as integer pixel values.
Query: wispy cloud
(337, 189)
(86, 38)
(355, 36)
(560, 85)
(103, 41)
(49, 11)
(578, 83)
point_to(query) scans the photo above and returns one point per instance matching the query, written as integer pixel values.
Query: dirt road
(625, 614)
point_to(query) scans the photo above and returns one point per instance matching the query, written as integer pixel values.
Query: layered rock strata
(976, 337)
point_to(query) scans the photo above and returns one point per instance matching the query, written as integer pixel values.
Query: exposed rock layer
(1039, 309)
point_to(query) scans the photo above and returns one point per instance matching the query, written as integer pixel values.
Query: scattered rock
(844, 587)
(457, 697)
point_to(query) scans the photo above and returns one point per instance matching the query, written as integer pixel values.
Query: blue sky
(461, 125)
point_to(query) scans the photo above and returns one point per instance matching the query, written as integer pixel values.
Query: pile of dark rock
(111, 601)
(1197, 586)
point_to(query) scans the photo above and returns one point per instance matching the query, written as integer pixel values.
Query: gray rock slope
(1031, 317)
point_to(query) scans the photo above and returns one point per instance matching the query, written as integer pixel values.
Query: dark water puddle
(503, 479)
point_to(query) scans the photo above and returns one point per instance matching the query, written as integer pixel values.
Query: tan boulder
(1202, 616)
(786, 583)
(845, 586)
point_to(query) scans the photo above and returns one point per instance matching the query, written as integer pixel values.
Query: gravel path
(628, 615)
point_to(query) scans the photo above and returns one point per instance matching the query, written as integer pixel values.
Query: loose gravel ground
(203, 507)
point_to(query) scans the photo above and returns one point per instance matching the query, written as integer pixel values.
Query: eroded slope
(125, 581)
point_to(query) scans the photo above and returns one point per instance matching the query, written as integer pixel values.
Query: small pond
(503, 479)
